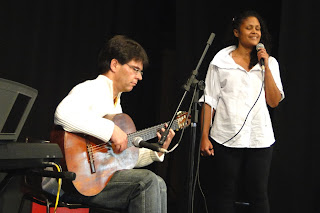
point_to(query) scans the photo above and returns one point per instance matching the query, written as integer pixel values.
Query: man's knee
(155, 180)
(161, 183)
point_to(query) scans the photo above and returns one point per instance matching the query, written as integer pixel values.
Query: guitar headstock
(183, 119)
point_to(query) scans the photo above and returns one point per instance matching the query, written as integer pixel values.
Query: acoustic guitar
(94, 161)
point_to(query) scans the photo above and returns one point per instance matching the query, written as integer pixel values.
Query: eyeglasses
(136, 69)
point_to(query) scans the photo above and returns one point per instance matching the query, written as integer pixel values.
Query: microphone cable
(182, 132)
(245, 120)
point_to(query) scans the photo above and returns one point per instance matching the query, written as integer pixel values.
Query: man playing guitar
(88, 114)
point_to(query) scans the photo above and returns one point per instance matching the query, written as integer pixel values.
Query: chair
(41, 186)
(43, 190)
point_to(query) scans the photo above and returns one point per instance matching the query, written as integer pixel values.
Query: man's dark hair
(122, 49)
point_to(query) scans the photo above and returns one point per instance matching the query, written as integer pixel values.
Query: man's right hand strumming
(119, 140)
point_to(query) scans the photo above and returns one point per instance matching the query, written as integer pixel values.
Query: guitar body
(93, 160)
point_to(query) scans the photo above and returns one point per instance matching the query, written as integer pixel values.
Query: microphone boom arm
(190, 82)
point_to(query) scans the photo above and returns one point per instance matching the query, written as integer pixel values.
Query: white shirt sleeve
(147, 156)
(212, 89)
(75, 114)
(82, 111)
(274, 67)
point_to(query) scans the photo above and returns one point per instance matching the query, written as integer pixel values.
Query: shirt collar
(109, 83)
(223, 59)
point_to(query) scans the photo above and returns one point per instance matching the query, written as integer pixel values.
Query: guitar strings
(147, 134)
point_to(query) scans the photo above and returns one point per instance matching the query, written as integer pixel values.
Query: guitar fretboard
(150, 133)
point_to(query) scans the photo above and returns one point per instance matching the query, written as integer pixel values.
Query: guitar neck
(151, 132)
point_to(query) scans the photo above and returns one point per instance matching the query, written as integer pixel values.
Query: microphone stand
(198, 85)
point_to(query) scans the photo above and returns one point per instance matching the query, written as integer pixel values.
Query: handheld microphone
(258, 47)
(138, 142)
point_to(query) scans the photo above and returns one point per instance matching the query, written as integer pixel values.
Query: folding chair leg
(48, 205)
(21, 204)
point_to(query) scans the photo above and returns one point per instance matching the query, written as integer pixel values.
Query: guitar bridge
(90, 157)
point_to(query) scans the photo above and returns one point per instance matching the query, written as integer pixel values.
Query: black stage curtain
(53, 45)
(294, 178)
(294, 182)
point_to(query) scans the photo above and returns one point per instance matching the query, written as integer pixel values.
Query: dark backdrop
(53, 45)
